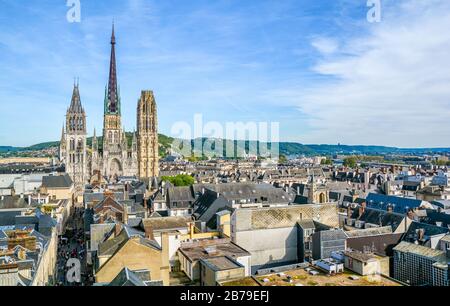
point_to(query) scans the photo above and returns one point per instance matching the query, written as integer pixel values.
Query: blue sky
(316, 66)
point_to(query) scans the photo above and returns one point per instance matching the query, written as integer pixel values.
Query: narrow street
(72, 245)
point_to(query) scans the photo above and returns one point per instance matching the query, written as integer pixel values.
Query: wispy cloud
(389, 87)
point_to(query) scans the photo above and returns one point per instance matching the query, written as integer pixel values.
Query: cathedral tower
(113, 135)
(147, 138)
(73, 143)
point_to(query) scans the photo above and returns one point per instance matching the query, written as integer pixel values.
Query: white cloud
(325, 45)
(390, 87)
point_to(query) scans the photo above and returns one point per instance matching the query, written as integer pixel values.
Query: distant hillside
(164, 143)
(4, 149)
(286, 148)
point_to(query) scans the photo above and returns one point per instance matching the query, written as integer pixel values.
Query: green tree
(327, 161)
(441, 163)
(350, 162)
(179, 180)
(282, 159)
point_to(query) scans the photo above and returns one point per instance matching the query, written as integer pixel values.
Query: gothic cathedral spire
(112, 100)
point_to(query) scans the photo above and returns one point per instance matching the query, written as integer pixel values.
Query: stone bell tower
(147, 137)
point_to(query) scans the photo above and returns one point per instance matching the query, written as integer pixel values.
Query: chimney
(118, 229)
(191, 230)
(224, 226)
(361, 212)
(421, 233)
(165, 265)
(149, 232)
(125, 194)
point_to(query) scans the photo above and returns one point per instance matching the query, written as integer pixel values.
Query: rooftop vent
(211, 250)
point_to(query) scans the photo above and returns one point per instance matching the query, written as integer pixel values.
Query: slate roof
(182, 195)
(111, 246)
(433, 216)
(90, 197)
(57, 181)
(379, 244)
(445, 204)
(237, 191)
(379, 217)
(127, 278)
(399, 204)
(208, 206)
(13, 202)
(8, 217)
(429, 231)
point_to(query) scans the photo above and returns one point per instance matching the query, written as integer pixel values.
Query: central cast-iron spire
(113, 100)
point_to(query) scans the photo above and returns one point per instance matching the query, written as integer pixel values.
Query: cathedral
(114, 156)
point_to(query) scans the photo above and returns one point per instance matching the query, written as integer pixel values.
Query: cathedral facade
(116, 154)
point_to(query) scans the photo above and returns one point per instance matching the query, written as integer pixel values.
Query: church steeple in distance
(112, 100)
